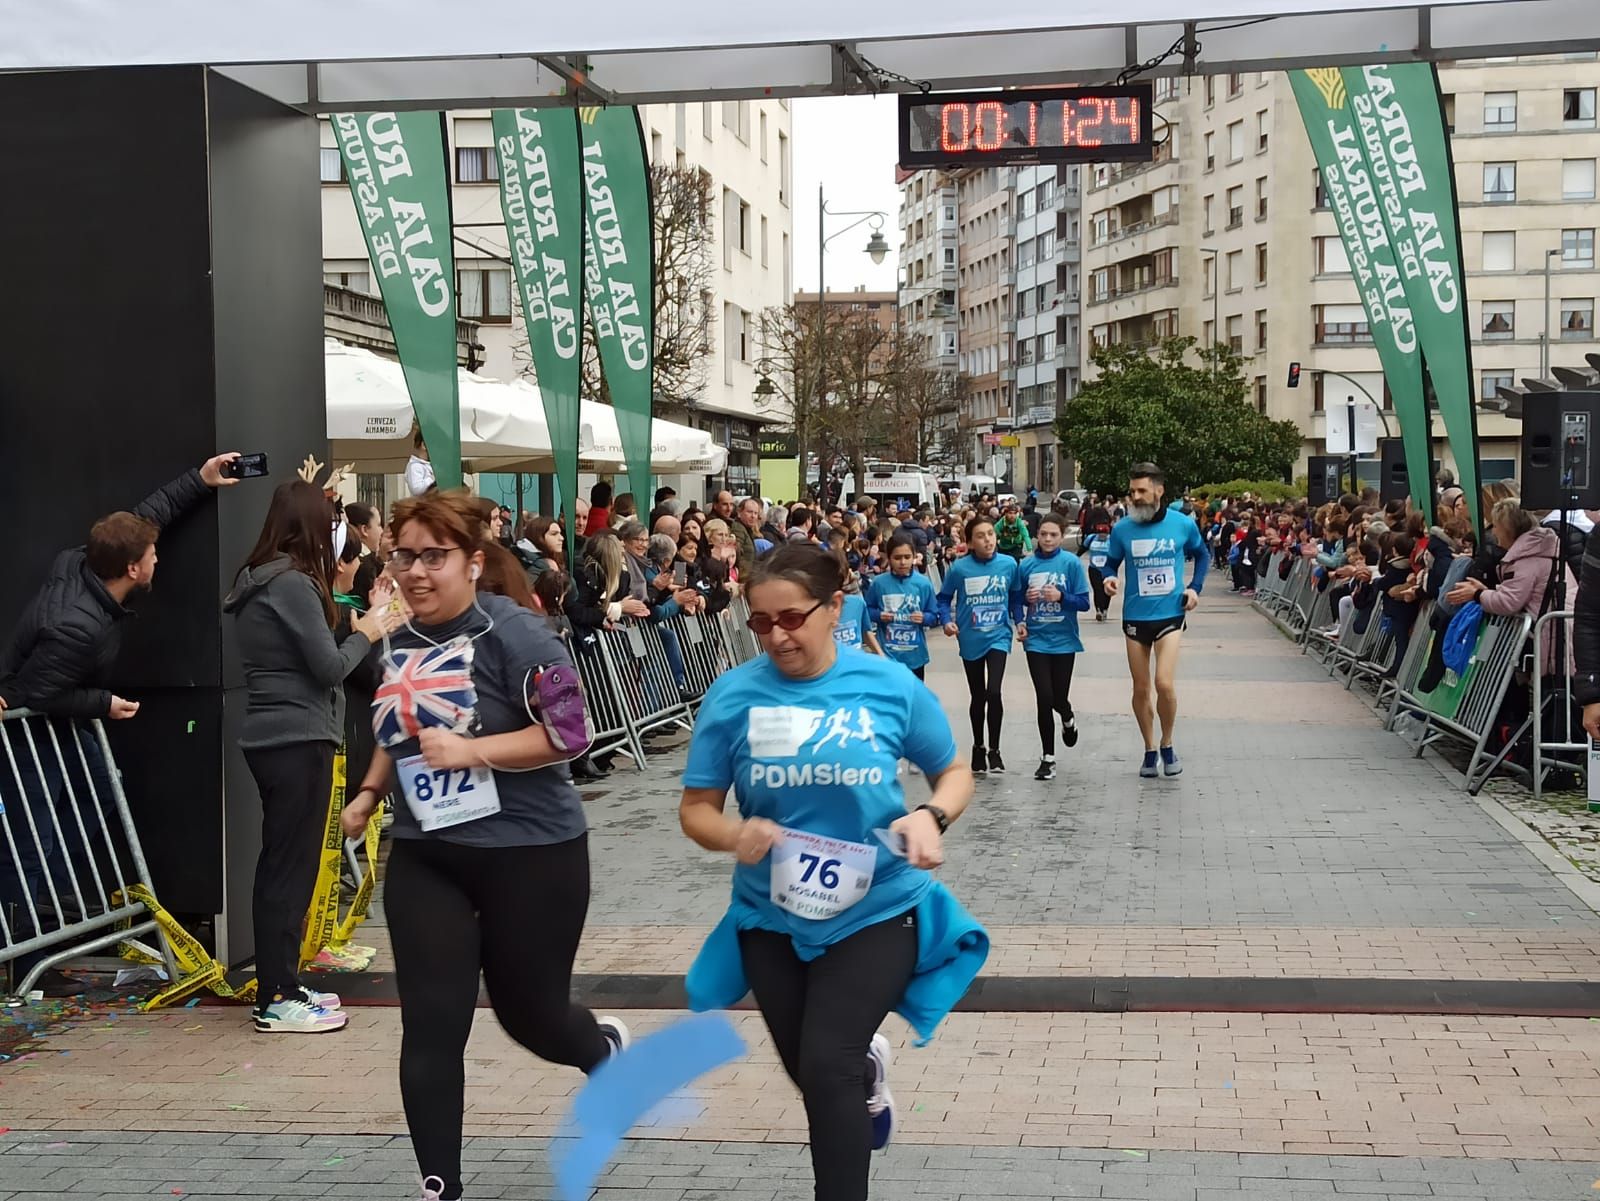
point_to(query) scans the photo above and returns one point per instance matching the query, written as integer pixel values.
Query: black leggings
(1052, 684)
(1097, 584)
(985, 695)
(822, 1015)
(516, 914)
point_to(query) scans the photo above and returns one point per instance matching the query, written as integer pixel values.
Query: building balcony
(1133, 288)
(1170, 217)
(358, 319)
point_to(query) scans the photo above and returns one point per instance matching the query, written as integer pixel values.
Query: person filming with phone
(59, 662)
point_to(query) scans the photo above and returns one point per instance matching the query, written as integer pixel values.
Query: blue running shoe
(1169, 762)
(1150, 768)
(880, 1104)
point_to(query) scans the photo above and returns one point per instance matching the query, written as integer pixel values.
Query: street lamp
(1544, 339)
(1216, 293)
(876, 249)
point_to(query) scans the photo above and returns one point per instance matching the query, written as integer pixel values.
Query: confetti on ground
(201, 1026)
(237, 1108)
(330, 1162)
(1135, 1154)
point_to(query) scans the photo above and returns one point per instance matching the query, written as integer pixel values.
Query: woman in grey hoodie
(283, 611)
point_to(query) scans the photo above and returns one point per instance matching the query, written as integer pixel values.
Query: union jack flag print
(423, 687)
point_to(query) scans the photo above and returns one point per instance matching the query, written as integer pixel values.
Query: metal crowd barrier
(1269, 587)
(1499, 650)
(1564, 738)
(1313, 638)
(1293, 608)
(644, 675)
(68, 847)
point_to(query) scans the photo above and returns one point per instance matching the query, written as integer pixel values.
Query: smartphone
(246, 467)
(680, 573)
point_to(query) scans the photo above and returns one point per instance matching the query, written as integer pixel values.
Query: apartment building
(929, 272)
(745, 148)
(1226, 235)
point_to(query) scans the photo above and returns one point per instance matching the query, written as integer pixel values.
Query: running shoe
(293, 1016)
(1151, 767)
(1100, 615)
(616, 1034)
(1169, 762)
(880, 1104)
(319, 1000)
(1247, 592)
(1047, 770)
(432, 1188)
(996, 764)
(1069, 732)
(980, 761)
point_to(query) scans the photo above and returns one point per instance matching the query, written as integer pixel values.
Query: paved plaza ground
(1211, 986)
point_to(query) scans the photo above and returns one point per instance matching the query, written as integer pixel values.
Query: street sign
(992, 439)
(996, 466)
(1345, 436)
(1010, 440)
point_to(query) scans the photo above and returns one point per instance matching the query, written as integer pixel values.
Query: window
(706, 119)
(656, 152)
(1319, 194)
(1235, 141)
(763, 135)
(1099, 284)
(1025, 252)
(1211, 90)
(1102, 226)
(484, 295)
(1331, 256)
(473, 138)
(1449, 105)
(1261, 199)
(1263, 128)
(1499, 320)
(1235, 84)
(1261, 394)
(1577, 319)
(333, 165)
(1261, 329)
(1492, 382)
(1500, 250)
(1210, 261)
(736, 119)
(949, 218)
(1499, 112)
(1261, 262)
(1341, 324)
(1205, 209)
(947, 342)
(949, 258)
(1577, 248)
(1577, 108)
(356, 281)
(1235, 207)
(1211, 144)
(1500, 183)
(783, 168)
(763, 239)
(1025, 203)
(1318, 392)
(1577, 179)
(1235, 275)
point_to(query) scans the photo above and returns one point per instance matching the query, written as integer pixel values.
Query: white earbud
(475, 572)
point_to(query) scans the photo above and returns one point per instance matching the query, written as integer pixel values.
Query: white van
(894, 485)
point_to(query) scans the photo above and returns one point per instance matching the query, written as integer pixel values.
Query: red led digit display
(1029, 125)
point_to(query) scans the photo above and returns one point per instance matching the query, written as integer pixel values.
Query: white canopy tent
(387, 54)
(502, 425)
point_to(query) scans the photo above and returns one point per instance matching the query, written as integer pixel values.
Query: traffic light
(1294, 375)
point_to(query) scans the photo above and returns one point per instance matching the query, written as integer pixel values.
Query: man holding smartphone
(60, 661)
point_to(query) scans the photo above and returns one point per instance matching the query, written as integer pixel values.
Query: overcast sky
(848, 144)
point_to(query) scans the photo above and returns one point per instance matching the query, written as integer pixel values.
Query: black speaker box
(170, 244)
(1395, 482)
(1559, 467)
(1323, 476)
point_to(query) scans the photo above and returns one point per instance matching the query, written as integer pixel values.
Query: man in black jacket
(59, 662)
(1586, 638)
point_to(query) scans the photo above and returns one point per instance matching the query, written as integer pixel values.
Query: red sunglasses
(789, 619)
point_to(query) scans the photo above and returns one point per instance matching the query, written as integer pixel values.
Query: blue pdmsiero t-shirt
(904, 640)
(1154, 552)
(853, 624)
(977, 597)
(1053, 625)
(820, 757)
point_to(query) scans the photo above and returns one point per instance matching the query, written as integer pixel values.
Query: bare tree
(919, 398)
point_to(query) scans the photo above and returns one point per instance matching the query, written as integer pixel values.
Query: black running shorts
(1151, 632)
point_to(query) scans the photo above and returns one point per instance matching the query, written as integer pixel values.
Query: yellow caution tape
(196, 968)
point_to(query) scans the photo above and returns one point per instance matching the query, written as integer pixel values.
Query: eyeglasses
(789, 619)
(432, 557)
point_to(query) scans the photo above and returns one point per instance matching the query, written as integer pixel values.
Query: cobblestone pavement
(1301, 841)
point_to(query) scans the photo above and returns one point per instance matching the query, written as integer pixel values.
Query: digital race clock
(1028, 125)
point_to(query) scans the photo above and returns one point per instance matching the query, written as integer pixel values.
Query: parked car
(1070, 501)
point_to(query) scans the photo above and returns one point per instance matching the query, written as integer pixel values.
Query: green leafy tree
(1157, 405)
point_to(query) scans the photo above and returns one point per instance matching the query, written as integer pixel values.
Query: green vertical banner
(396, 166)
(619, 274)
(541, 195)
(1400, 117)
(1354, 200)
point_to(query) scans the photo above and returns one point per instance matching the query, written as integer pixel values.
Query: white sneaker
(432, 1188)
(322, 1000)
(616, 1034)
(294, 1016)
(880, 1104)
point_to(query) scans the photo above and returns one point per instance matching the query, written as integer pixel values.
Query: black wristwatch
(939, 816)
